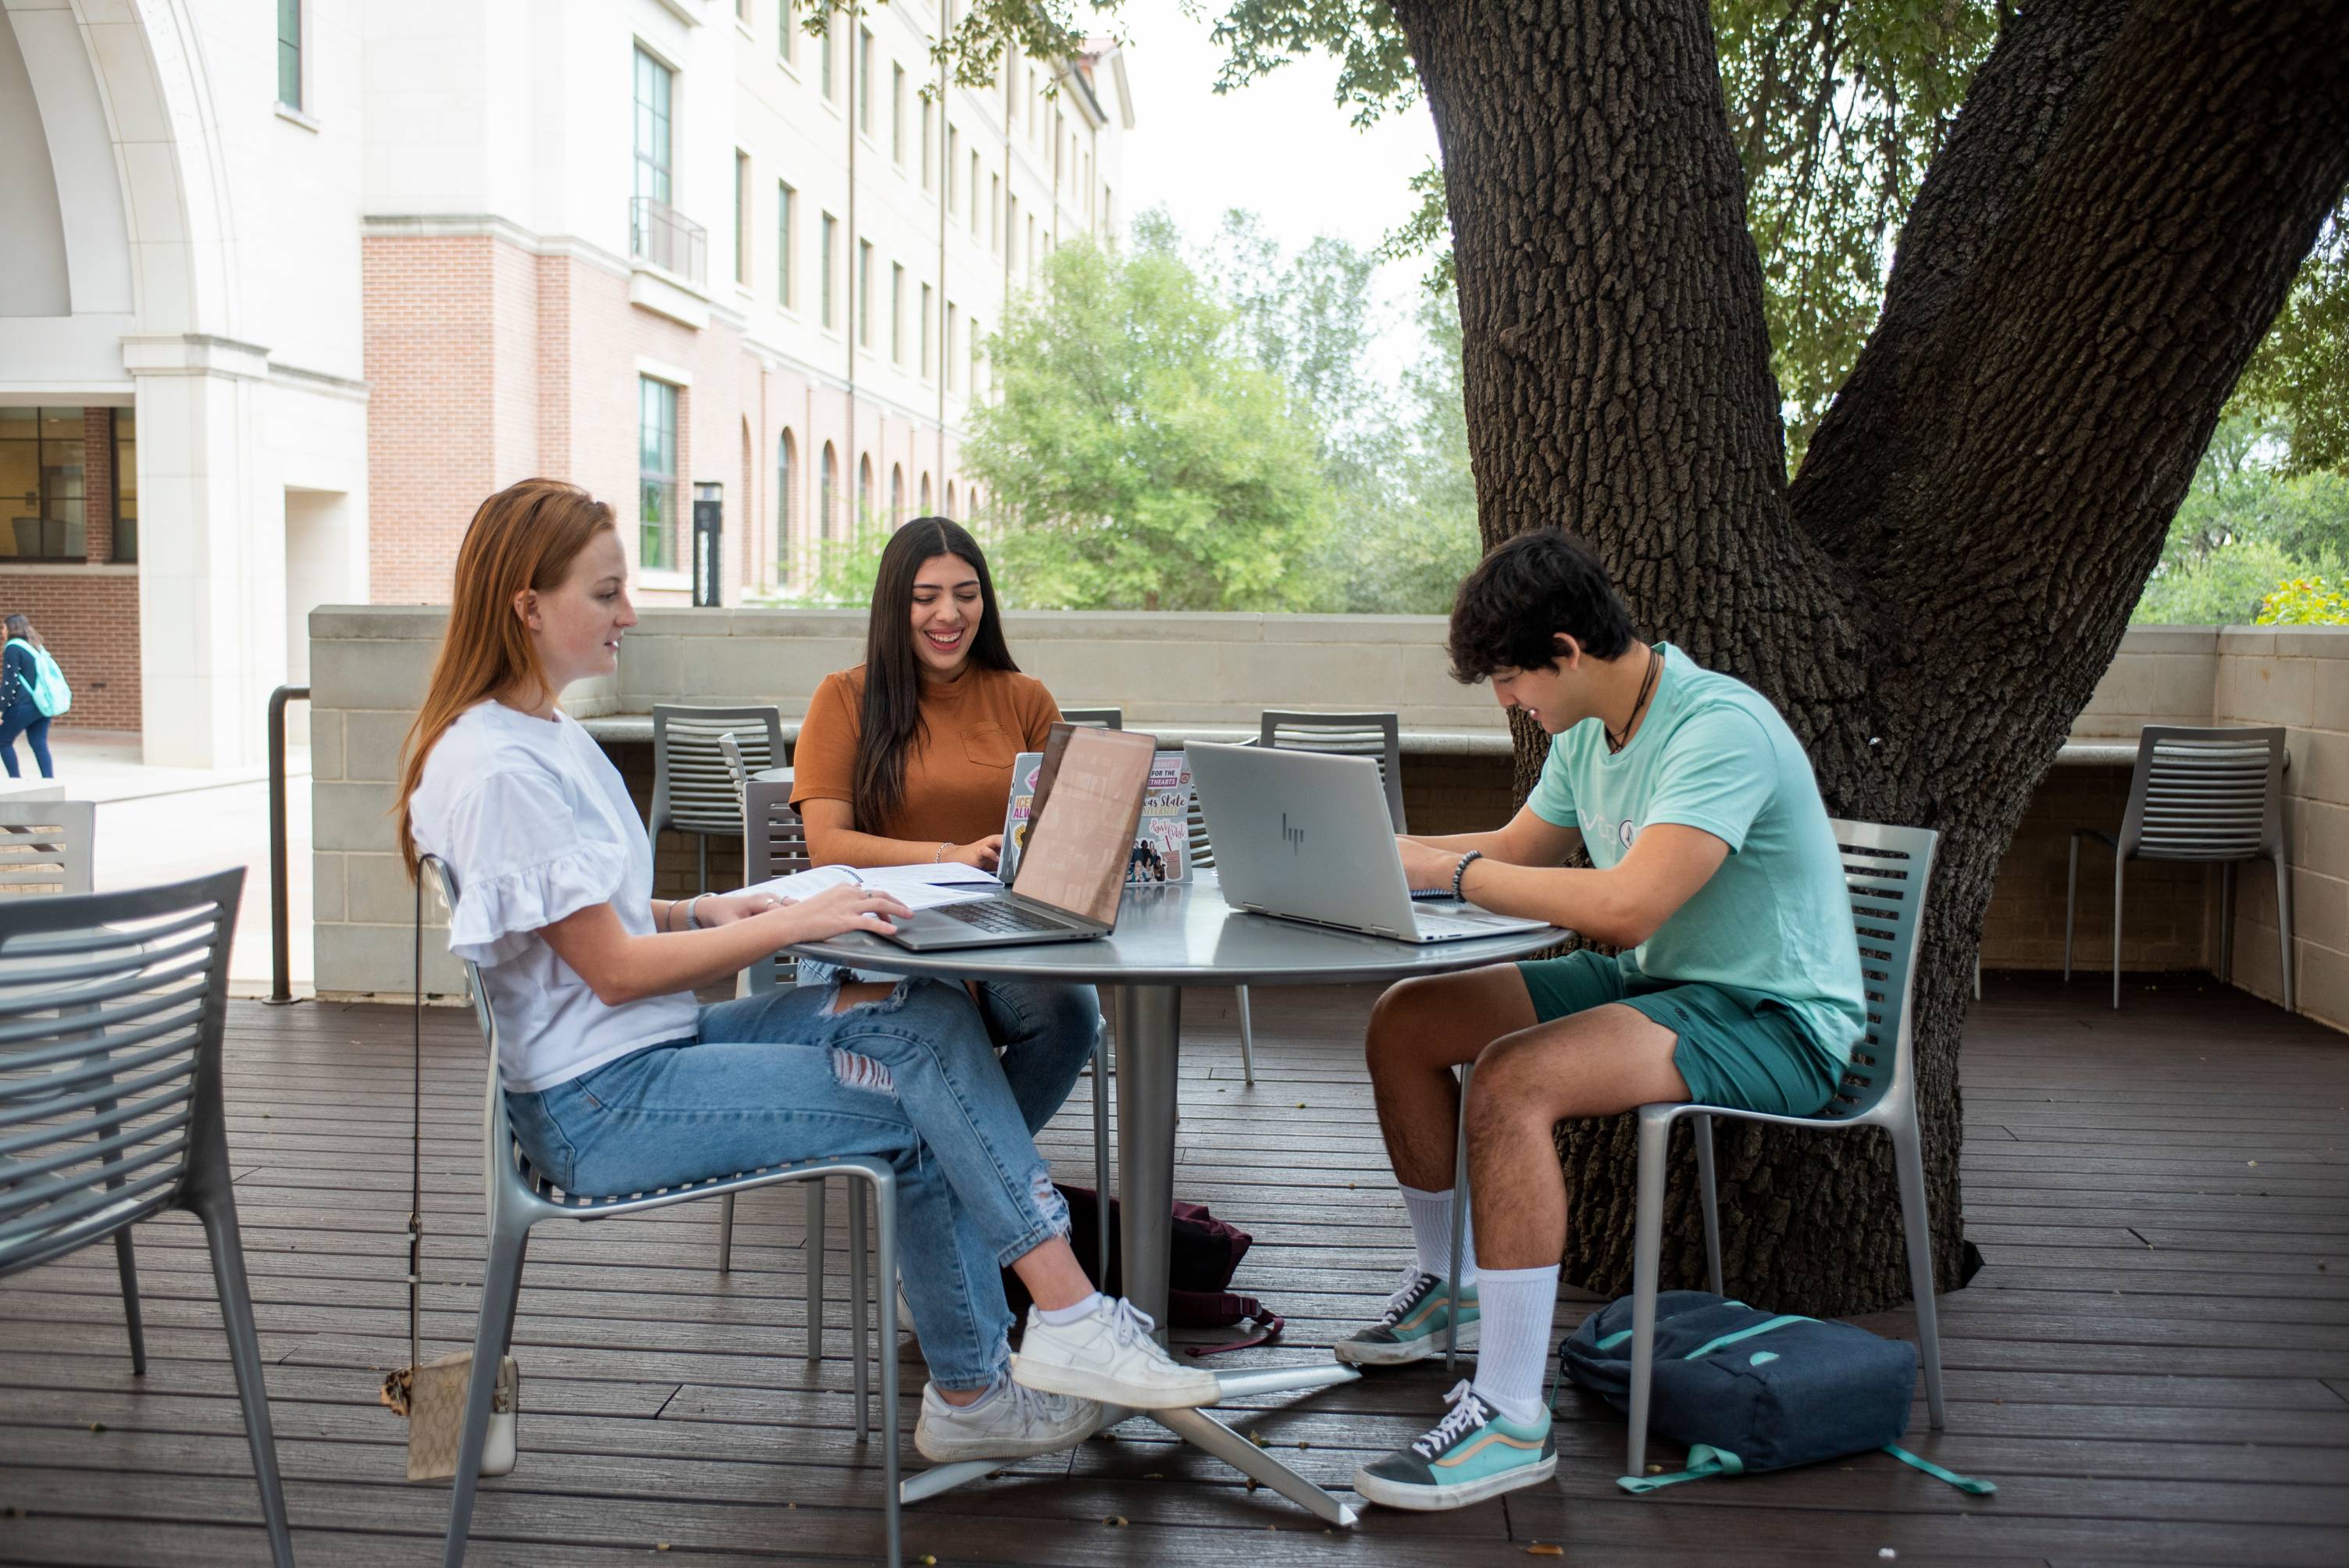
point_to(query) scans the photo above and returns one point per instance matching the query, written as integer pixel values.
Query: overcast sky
(1280, 147)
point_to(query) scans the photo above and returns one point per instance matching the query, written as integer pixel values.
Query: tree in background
(2247, 525)
(1136, 458)
(2113, 217)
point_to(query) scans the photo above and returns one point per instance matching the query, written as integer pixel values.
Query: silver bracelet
(693, 922)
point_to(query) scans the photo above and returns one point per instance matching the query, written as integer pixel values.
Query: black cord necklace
(1616, 743)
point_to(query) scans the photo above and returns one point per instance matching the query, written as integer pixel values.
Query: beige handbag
(431, 1394)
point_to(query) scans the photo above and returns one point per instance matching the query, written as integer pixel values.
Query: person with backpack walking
(33, 691)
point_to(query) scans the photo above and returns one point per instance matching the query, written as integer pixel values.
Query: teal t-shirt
(1714, 754)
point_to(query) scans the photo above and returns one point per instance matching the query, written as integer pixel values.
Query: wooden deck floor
(2153, 1366)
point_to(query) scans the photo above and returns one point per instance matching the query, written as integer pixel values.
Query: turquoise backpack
(50, 693)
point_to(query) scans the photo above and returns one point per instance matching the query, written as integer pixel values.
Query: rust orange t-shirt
(957, 772)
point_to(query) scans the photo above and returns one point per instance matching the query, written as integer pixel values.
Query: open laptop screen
(1088, 798)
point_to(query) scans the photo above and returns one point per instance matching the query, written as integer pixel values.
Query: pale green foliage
(2245, 528)
(2304, 362)
(1137, 460)
(845, 568)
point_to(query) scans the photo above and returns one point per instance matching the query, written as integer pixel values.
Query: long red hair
(525, 536)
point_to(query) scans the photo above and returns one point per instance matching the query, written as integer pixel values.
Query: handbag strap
(415, 1148)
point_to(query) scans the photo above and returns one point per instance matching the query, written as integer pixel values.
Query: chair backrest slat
(693, 786)
(2205, 794)
(111, 1015)
(45, 846)
(1886, 870)
(1378, 736)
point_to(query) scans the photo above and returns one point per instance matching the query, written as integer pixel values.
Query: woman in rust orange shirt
(907, 759)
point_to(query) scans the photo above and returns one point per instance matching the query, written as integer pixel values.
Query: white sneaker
(1108, 1355)
(1011, 1423)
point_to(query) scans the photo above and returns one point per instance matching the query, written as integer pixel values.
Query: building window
(864, 80)
(786, 242)
(742, 218)
(863, 490)
(657, 475)
(824, 269)
(954, 168)
(898, 116)
(953, 325)
(950, 497)
(977, 361)
(926, 134)
(896, 495)
(995, 214)
(827, 501)
(824, 43)
(654, 83)
(787, 490)
(926, 495)
(864, 292)
(924, 333)
(896, 313)
(974, 195)
(42, 453)
(787, 31)
(289, 53)
(126, 484)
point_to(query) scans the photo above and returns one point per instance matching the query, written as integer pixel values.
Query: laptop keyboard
(1002, 914)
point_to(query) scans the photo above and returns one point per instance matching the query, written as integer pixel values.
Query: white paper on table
(916, 887)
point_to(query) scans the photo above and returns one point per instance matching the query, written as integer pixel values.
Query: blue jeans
(30, 722)
(780, 1076)
(1047, 1032)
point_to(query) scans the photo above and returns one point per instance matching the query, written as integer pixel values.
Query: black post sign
(708, 518)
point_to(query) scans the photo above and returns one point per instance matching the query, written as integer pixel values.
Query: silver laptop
(1071, 872)
(1306, 837)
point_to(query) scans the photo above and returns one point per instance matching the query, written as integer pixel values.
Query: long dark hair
(891, 718)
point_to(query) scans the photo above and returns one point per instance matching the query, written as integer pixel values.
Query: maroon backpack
(1207, 1253)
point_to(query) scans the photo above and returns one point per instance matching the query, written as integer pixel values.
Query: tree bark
(2116, 219)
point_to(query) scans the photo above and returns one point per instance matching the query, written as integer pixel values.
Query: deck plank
(2152, 1366)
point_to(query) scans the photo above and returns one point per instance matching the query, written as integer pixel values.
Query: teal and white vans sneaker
(1471, 1454)
(1417, 1323)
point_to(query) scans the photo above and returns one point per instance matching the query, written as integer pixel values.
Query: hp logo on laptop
(1293, 837)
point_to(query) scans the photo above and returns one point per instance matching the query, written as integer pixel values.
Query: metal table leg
(1149, 1032)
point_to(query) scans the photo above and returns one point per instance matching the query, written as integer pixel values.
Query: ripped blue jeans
(780, 1076)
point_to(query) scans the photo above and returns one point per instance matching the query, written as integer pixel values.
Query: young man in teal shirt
(1715, 872)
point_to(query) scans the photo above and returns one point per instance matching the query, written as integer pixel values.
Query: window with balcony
(658, 234)
(655, 475)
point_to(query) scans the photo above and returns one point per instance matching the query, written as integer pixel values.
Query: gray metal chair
(1887, 870)
(692, 791)
(112, 1011)
(519, 1198)
(1096, 718)
(1378, 736)
(48, 847)
(2209, 795)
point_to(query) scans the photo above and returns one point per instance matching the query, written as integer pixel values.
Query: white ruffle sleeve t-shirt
(537, 824)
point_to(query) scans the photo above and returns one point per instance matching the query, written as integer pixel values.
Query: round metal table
(1168, 938)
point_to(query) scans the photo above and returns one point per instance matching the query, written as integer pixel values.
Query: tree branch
(2019, 103)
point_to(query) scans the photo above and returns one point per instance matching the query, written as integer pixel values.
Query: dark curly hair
(1525, 592)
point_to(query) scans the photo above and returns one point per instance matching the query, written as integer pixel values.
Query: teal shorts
(1736, 1047)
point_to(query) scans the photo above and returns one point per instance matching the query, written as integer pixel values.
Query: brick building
(291, 292)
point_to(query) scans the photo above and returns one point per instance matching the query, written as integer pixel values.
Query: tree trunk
(2116, 219)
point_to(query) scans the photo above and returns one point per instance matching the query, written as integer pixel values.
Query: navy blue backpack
(1747, 1390)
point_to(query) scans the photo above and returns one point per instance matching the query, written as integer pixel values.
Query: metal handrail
(666, 238)
(281, 961)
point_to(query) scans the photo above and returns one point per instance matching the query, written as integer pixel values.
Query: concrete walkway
(166, 824)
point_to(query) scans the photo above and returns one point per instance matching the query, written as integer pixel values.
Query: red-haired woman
(617, 1081)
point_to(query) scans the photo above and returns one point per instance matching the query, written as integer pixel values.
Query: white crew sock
(1061, 1316)
(1513, 1354)
(1431, 1232)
